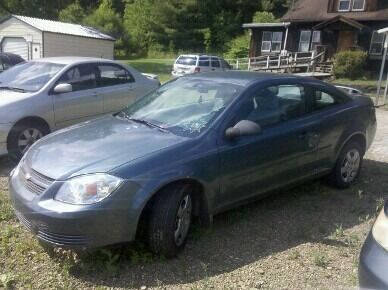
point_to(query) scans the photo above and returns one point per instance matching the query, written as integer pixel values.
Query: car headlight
(88, 189)
(380, 230)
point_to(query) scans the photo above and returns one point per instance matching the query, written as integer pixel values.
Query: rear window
(187, 60)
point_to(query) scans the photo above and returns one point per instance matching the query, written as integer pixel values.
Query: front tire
(348, 166)
(170, 220)
(22, 136)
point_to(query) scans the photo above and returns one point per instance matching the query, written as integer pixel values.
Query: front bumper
(372, 272)
(108, 222)
(4, 131)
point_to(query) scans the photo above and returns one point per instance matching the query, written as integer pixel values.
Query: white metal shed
(34, 38)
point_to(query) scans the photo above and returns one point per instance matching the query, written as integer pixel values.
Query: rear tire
(348, 166)
(170, 220)
(22, 136)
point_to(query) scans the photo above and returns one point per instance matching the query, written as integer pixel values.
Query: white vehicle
(194, 63)
(47, 94)
(350, 90)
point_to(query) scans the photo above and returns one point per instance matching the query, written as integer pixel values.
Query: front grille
(62, 240)
(34, 181)
(23, 220)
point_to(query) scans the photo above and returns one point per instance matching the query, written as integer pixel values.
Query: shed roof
(62, 27)
(258, 25)
(317, 11)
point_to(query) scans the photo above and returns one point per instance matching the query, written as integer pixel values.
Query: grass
(160, 67)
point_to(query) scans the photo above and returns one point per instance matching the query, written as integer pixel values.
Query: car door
(116, 85)
(215, 64)
(204, 64)
(83, 102)
(284, 151)
(330, 109)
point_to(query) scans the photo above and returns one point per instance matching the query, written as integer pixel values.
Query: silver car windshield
(185, 106)
(29, 76)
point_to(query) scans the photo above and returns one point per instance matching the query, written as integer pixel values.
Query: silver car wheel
(27, 138)
(350, 166)
(183, 220)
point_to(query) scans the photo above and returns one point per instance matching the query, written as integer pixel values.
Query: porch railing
(286, 62)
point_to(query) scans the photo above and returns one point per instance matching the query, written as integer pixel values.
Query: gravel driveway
(307, 237)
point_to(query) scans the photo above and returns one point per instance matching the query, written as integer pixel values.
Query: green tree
(264, 17)
(74, 13)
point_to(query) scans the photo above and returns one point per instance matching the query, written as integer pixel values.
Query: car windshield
(185, 106)
(29, 76)
(187, 60)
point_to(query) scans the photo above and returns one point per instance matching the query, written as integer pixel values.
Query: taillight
(197, 70)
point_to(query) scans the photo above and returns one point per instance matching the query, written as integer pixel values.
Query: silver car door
(116, 85)
(215, 63)
(83, 102)
(204, 64)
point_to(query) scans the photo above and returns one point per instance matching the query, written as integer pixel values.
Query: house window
(358, 5)
(344, 5)
(316, 39)
(266, 41)
(304, 43)
(354, 5)
(272, 41)
(377, 43)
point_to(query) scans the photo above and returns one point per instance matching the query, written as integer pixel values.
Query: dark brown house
(325, 26)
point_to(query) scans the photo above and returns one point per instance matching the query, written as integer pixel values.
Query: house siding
(16, 28)
(69, 45)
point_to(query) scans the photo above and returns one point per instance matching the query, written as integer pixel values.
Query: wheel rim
(350, 166)
(183, 220)
(27, 138)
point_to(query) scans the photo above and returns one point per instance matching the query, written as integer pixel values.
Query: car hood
(96, 146)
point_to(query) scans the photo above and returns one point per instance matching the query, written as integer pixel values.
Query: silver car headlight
(88, 189)
(380, 230)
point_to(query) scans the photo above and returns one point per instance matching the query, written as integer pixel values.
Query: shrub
(349, 64)
(238, 47)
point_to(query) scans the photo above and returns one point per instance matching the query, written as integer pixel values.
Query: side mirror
(63, 88)
(243, 128)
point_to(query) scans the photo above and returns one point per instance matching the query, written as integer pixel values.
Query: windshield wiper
(13, 89)
(144, 122)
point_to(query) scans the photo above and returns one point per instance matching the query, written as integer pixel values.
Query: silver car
(41, 96)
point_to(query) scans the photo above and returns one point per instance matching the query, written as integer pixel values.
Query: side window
(204, 61)
(225, 64)
(111, 75)
(215, 62)
(322, 100)
(275, 104)
(81, 77)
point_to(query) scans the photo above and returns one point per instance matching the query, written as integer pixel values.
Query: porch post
(382, 73)
(285, 39)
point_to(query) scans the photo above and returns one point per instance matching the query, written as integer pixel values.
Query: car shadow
(5, 166)
(306, 214)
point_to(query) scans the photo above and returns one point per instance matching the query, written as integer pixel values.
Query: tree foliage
(165, 26)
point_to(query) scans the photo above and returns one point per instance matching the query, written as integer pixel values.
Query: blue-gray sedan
(195, 147)
(373, 267)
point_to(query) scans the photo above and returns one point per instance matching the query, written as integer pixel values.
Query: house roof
(317, 10)
(340, 18)
(63, 28)
(258, 25)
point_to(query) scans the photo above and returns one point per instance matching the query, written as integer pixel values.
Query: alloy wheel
(350, 166)
(183, 220)
(27, 138)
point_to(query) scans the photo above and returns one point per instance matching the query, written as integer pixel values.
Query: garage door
(15, 45)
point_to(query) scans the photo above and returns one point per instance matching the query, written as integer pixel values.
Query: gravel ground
(307, 237)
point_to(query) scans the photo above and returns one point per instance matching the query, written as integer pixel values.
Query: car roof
(245, 78)
(67, 60)
(199, 55)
